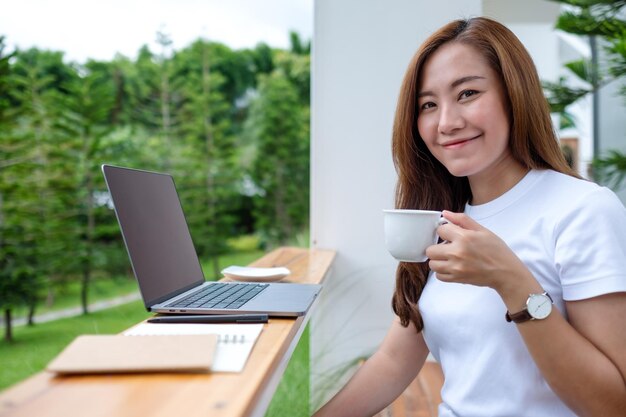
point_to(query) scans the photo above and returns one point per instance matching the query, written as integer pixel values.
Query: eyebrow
(454, 84)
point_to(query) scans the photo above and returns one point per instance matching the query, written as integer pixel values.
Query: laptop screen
(155, 232)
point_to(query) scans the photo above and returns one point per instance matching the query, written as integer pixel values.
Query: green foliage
(583, 69)
(210, 175)
(263, 59)
(244, 243)
(611, 169)
(591, 20)
(5, 71)
(299, 47)
(25, 211)
(603, 19)
(560, 96)
(278, 126)
(87, 107)
(598, 18)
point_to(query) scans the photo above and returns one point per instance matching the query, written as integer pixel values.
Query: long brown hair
(423, 182)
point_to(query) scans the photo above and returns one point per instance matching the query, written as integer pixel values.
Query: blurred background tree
(278, 128)
(602, 23)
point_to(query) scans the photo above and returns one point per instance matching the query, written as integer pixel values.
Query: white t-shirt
(571, 234)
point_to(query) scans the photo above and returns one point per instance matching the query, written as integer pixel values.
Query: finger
(437, 252)
(439, 267)
(462, 220)
(449, 232)
(441, 276)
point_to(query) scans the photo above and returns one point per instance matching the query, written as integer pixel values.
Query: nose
(450, 119)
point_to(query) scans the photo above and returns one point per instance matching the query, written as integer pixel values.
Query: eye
(467, 94)
(427, 105)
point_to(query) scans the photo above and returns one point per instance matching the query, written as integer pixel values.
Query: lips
(457, 143)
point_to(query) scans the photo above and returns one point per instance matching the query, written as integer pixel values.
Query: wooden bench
(422, 396)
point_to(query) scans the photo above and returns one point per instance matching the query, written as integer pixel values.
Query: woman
(539, 330)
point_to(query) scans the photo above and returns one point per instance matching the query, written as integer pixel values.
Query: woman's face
(462, 115)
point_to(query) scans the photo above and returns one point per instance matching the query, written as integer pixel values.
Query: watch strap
(519, 317)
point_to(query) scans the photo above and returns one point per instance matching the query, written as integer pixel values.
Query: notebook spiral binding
(231, 338)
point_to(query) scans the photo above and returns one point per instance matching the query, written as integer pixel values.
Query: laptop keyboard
(221, 295)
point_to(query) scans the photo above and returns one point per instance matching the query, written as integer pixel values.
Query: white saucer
(247, 273)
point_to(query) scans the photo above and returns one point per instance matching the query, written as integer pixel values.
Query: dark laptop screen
(155, 232)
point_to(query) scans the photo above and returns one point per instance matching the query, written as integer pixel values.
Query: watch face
(539, 306)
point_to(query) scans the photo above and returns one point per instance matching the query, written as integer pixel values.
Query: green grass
(35, 346)
(68, 296)
(292, 395)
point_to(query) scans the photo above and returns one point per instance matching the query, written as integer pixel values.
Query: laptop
(165, 262)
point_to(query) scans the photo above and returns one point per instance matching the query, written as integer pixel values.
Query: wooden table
(221, 394)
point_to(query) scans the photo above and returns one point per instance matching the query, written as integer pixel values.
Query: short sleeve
(590, 250)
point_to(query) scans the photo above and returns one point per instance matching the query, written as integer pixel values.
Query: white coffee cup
(409, 232)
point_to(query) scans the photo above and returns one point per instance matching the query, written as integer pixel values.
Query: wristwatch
(538, 307)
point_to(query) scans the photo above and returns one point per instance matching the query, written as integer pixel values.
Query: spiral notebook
(235, 341)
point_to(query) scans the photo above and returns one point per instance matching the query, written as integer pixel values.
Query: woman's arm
(583, 360)
(383, 377)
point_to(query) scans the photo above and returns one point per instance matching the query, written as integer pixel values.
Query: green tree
(298, 46)
(279, 128)
(236, 68)
(153, 100)
(5, 88)
(117, 74)
(600, 21)
(10, 291)
(87, 107)
(210, 179)
(263, 59)
(25, 209)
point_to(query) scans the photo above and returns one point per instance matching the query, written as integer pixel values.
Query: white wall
(360, 52)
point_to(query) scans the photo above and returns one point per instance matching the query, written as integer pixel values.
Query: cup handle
(441, 222)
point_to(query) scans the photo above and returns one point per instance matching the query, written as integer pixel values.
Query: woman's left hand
(474, 255)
